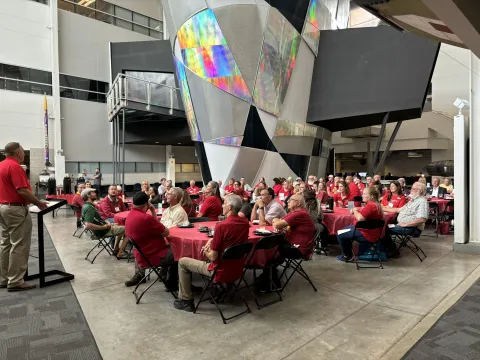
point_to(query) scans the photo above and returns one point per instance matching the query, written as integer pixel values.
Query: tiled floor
(354, 315)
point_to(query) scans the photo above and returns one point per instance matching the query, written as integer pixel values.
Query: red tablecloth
(341, 217)
(68, 197)
(120, 217)
(189, 242)
(442, 203)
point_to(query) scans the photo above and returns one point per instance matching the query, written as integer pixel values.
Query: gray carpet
(456, 335)
(47, 323)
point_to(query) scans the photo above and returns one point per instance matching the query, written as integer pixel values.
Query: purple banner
(45, 126)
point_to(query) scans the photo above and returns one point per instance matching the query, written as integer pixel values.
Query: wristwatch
(260, 208)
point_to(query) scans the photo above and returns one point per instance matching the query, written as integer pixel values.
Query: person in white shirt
(161, 188)
(174, 214)
(436, 190)
(221, 189)
(244, 185)
(266, 209)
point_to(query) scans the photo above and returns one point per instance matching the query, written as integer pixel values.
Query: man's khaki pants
(185, 268)
(16, 229)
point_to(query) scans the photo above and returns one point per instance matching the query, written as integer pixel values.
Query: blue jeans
(398, 230)
(346, 239)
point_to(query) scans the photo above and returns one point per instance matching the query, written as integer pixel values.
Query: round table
(120, 217)
(341, 218)
(442, 203)
(189, 242)
(68, 197)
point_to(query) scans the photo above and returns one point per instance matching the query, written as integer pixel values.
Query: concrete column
(474, 150)
(170, 163)
(56, 113)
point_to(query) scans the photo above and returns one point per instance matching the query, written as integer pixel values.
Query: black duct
(440, 168)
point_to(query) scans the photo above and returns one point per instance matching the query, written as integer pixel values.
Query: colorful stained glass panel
(233, 85)
(210, 61)
(290, 128)
(187, 100)
(200, 30)
(277, 61)
(312, 36)
(229, 141)
(320, 16)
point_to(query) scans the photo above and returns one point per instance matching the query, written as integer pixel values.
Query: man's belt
(12, 204)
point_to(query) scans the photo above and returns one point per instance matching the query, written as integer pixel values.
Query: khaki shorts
(116, 230)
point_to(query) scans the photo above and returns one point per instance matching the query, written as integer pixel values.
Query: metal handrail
(127, 88)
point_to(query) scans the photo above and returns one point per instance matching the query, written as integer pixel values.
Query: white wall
(84, 45)
(151, 8)
(21, 119)
(24, 36)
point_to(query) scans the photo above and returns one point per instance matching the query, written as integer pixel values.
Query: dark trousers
(398, 230)
(345, 240)
(169, 264)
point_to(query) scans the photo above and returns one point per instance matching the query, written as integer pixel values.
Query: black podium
(42, 274)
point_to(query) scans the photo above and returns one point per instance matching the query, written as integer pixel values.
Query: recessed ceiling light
(179, 143)
(156, 142)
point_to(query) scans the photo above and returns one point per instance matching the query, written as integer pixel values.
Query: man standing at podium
(15, 220)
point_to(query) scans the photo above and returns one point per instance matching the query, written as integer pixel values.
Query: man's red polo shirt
(232, 231)
(12, 178)
(302, 230)
(146, 231)
(354, 189)
(193, 190)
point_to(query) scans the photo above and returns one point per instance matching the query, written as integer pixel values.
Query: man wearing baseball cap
(93, 221)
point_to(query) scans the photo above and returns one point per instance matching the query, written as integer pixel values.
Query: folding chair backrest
(230, 267)
(198, 219)
(136, 246)
(370, 224)
(269, 242)
(450, 206)
(237, 251)
(357, 198)
(433, 209)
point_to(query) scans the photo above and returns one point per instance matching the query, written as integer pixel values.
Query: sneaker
(186, 305)
(135, 280)
(343, 258)
(21, 287)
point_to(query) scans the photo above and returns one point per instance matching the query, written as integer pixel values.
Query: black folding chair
(198, 219)
(156, 269)
(433, 216)
(405, 241)
(235, 252)
(294, 261)
(103, 244)
(357, 199)
(321, 234)
(370, 225)
(449, 213)
(266, 243)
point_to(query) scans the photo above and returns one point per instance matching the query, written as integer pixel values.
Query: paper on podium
(34, 209)
(343, 231)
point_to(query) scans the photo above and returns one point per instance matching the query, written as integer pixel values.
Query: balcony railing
(127, 89)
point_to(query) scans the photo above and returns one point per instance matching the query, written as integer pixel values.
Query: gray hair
(401, 180)
(11, 148)
(422, 188)
(177, 192)
(235, 202)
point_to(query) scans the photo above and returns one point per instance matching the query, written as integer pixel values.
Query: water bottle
(330, 203)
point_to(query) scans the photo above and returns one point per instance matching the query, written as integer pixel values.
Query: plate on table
(204, 229)
(262, 232)
(256, 222)
(186, 226)
(327, 211)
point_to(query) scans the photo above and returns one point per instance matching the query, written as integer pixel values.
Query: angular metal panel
(269, 122)
(331, 6)
(255, 135)
(295, 105)
(247, 164)
(184, 10)
(343, 13)
(243, 32)
(277, 61)
(312, 36)
(172, 28)
(263, 13)
(290, 128)
(298, 145)
(228, 141)
(273, 166)
(313, 166)
(213, 4)
(199, 104)
(221, 159)
(320, 16)
(293, 10)
(297, 163)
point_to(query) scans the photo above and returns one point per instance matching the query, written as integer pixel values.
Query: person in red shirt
(342, 197)
(284, 193)
(120, 193)
(359, 183)
(352, 187)
(212, 206)
(15, 220)
(78, 202)
(277, 186)
(193, 189)
(111, 205)
(394, 198)
(261, 181)
(187, 205)
(330, 183)
(230, 187)
(149, 234)
(372, 210)
(232, 231)
(238, 190)
(322, 194)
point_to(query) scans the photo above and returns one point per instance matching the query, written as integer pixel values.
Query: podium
(62, 276)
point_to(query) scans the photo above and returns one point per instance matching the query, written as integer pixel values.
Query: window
(89, 166)
(144, 167)
(197, 168)
(129, 168)
(72, 168)
(73, 87)
(188, 168)
(159, 167)
(17, 78)
(178, 168)
(106, 168)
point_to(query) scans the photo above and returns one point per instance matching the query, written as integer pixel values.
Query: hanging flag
(45, 127)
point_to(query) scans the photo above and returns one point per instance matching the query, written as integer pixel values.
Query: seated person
(174, 214)
(143, 227)
(212, 206)
(372, 210)
(266, 209)
(359, 183)
(153, 197)
(395, 197)
(353, 188)
(233, 231)
(322, 194)
(436, 190)
(378, 183)
(277, 186)
(145, 186)
(101, 228)
(246, 210)
(193, 189)
(405, 191)
(284, 193)
(238, 190)
(447, 185)
(78, 202)
(256, 193)
(168, 186)
(244, 185)
(411, 217)
(120, 193)
(230, 187)
(88, 185)
(342, 196)
(111, 205)
(187, 205)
